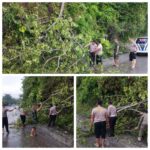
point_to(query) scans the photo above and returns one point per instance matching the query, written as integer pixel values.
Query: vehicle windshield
(141, 40)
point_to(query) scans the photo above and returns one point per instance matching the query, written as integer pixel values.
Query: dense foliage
(51, 37)
(9, 100)
(122, 91)
(50, 90)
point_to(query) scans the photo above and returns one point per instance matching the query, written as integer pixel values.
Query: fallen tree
(129, 106)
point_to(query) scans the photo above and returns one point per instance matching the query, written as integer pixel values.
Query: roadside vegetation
(51, 37)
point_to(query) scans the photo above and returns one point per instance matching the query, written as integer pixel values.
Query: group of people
(34, 113)
(96, 52)
(102, 118)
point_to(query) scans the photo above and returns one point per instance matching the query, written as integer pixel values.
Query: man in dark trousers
(52, 115)
(112, 114)
(5, 118)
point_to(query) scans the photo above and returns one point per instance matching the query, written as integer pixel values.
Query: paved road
(46, 137)
(86, 139)
(120, 141)
(141, 67)
(21, 138)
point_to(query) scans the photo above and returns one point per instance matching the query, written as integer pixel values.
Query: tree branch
(129, 106)
(51, 58)
(69, 97)
(60, 15)
(58, 63)
(61, 10)
(136, 110)
(76, 62)
(56, 93)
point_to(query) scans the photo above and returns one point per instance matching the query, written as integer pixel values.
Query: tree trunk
(61, 10)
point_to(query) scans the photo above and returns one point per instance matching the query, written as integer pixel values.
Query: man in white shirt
(52, 115)
(112, 114)
(98, 52)
(98, 119)
(95, 50)
(92, 47)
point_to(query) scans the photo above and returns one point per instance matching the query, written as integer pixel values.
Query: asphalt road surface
(46, 137)
(121, 141)
(125, 67)
(21, 138)
(86, 140)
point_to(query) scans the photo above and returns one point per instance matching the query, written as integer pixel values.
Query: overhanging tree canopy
(51, 37)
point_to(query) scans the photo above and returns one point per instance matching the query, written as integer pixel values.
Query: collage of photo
(74, 74)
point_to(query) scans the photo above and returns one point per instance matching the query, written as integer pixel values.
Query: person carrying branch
(112, 114)
(99, 117)
(95, 51)
(142, 125)
(52, 115)
(92, 46)
(35, 109)
(5, 118)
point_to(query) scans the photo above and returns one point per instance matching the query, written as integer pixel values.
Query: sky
(12, 85)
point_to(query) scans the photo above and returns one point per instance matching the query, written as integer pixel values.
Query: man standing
(35, 109)
(22, 116)
(92, 48)
(132, 55)
(112, 114)
(52, 115)
(99, 118)
(99, 52)
(5, 118)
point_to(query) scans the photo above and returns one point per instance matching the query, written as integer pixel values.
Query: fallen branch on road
(129, 106)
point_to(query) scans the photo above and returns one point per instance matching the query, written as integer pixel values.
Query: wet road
(141, 67)
(21, 138)
(46, 137)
